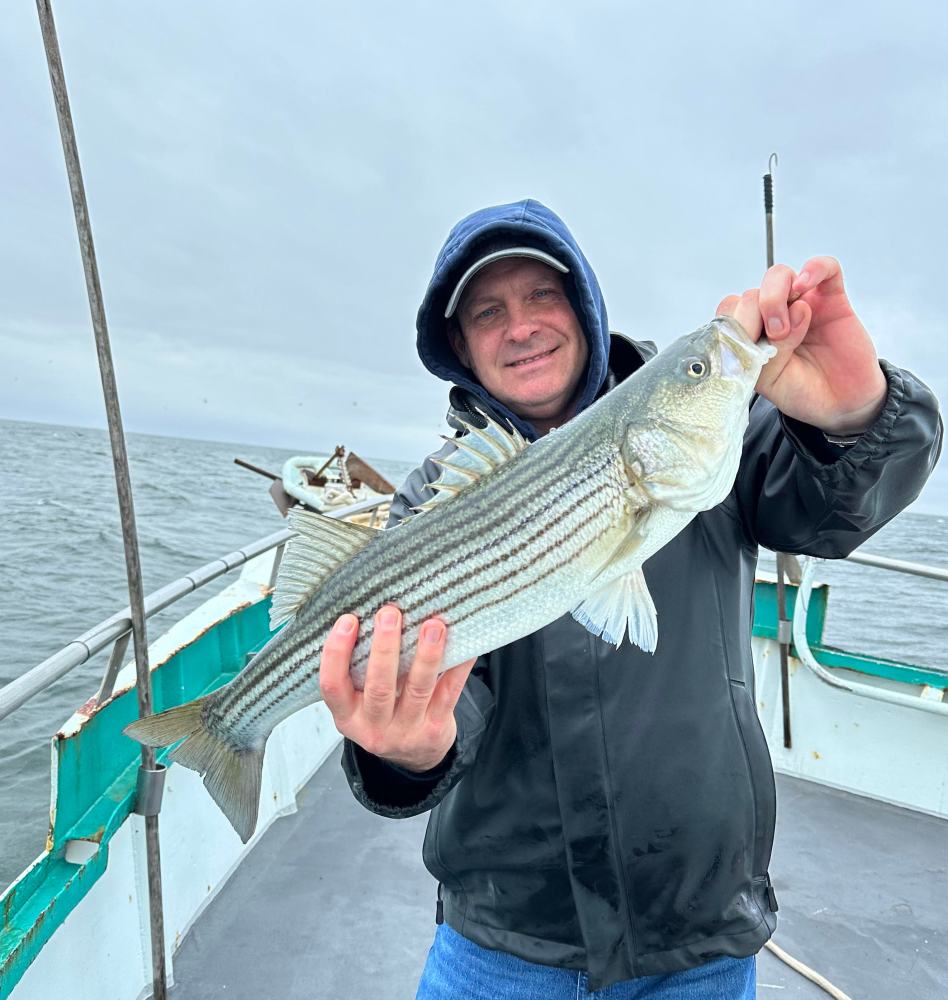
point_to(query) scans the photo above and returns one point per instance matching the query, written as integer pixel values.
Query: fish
(515, 535)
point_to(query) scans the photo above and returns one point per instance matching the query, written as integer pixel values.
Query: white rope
(805, 970)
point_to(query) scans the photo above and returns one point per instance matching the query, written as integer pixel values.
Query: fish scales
(434, 580)
(493, 513)
(416, 566)
(533, 532)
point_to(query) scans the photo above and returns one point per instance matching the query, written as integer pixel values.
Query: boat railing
(899, 565)
(930, 699)
(117, 629)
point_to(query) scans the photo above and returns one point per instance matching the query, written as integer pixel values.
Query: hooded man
(602, 818)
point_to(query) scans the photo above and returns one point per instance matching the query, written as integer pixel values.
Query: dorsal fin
(479, 451)
(320, 546)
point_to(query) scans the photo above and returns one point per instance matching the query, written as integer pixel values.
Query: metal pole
(783, 625)
(255, 468)
(769, 207)
(120, 463)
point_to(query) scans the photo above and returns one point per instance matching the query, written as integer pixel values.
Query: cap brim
(531, 252)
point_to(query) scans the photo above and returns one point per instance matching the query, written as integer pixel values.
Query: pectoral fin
(620, 605)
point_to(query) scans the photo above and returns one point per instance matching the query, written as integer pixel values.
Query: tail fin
(232, 774)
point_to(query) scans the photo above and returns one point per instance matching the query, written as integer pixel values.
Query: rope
(807, 972)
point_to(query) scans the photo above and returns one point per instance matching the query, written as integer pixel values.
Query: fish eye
(696, 368)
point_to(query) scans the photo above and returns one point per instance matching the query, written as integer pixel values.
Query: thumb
(448, 690)
(800, 316)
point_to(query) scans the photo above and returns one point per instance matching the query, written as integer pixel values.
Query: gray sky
(269, 184)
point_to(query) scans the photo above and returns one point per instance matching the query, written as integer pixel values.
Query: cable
(807, 972)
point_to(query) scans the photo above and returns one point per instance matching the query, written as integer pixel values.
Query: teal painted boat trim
(905, 673)
(97, 769)
(765, 610)
(765, 625)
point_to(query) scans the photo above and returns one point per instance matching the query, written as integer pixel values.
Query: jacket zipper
(617, 857)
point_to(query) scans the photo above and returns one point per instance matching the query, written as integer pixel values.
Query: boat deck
(334, 902)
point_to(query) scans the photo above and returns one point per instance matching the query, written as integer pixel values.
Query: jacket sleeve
(799, 493)
(390, 790)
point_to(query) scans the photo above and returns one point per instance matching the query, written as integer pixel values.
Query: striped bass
(516, 535)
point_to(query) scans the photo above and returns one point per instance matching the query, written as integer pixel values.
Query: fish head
(682, 439)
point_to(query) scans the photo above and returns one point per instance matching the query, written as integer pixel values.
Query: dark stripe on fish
(405, 573)
(259, 708)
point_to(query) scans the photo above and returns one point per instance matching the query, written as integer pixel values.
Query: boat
(863, 791)
(332, 901)
(329, 484)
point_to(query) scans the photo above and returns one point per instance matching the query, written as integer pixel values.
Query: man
(603, 818)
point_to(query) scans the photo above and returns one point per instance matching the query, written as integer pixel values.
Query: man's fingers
(423, 675)
(774, 296)
(335, 684)
(744, 309)
(800, 316)
(381, 672)
(448, 690)
(824, 271)
(768, 309)
(727, 305)
(747, 313)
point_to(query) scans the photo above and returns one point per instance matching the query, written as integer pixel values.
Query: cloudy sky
(269, 184)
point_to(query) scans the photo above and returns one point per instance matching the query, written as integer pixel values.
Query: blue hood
(526, 223)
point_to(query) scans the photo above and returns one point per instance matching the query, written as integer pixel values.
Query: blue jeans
(458, 969)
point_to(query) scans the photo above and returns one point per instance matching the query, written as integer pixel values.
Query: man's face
(522, 340)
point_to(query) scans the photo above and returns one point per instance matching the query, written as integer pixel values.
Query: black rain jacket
(609, 810)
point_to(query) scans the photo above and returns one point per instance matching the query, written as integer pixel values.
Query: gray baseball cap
(531, 252)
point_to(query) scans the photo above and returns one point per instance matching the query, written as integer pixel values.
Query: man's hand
(409, 724)
(826, 372)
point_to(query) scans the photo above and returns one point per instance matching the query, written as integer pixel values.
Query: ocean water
(63, 570)
(62, 566)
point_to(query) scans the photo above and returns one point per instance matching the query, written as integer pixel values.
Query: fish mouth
(739, 354)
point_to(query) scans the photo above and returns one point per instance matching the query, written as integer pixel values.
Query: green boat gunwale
(97, 766)
(765, 626)
(96, 769)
